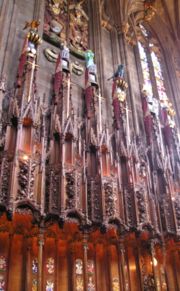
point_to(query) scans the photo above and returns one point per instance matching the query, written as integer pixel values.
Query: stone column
(56, 264)
(40, 259)
(85, 258)
(28, 264)
(9, 259)
(122, 266)
(25, 265)
(109, 272)
(120, 271)
(154, 265)
(70, 252)
(137, 256)
(63, 181)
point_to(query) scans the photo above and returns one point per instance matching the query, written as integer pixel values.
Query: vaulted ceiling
(168, 12)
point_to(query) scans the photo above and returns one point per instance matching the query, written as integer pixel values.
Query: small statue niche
(25, 143)
(69, 148)
(12, 137)
(105, 160)
(56, 152)
(124, 172)
(92, 161)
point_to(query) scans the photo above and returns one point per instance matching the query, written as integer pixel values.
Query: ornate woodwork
(89, 165)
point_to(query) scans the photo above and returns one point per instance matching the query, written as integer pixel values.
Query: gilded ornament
(171, 111)
(121, 95)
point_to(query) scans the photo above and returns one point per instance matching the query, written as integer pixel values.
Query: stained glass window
(34, 274)
(50, 272)
(50, 265)
(34, 266)
(145, 70)
(2, 283)
(150, 49)
(3, 267)
(2, 263)
(49, 286)
(115, 284)
(79, 285)
(159, 77)
(34, 285)
(91, 275)
(159, 105)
